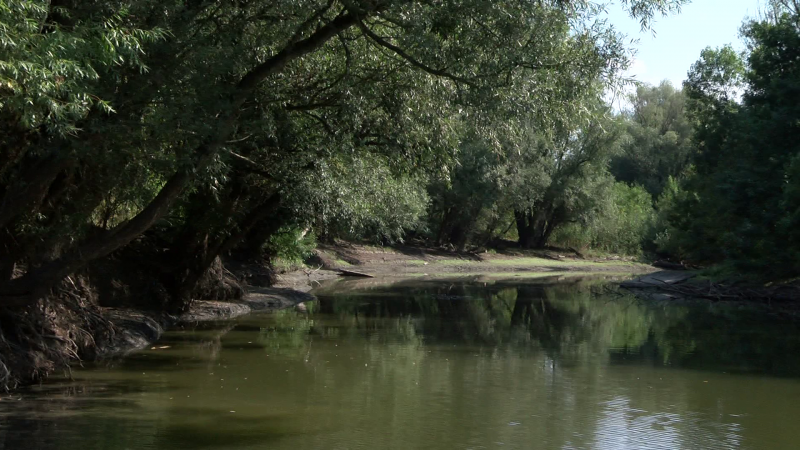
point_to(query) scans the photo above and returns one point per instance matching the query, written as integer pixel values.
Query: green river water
(470, 363)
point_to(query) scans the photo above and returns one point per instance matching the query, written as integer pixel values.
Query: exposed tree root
(70, 325)
(49, 335)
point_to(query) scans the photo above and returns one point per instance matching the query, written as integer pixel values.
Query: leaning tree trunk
(252, 245)
(204, 251)
(36, 283)
(28, 193)
(8, 257)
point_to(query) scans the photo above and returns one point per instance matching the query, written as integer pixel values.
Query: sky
(679, 38)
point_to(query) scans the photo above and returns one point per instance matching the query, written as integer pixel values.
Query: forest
(145, 142)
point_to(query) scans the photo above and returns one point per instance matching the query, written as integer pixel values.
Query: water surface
(537, 363)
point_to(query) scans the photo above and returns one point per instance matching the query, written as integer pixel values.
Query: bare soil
(411, 260)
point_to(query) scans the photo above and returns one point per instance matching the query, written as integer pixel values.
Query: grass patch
(509, 276)
(341, 262)
(414, 262)
(543, 262)
(456, 262)
(287, 265)
(534, 275)
(377, 249)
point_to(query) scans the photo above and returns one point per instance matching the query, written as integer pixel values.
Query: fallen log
(352, 273)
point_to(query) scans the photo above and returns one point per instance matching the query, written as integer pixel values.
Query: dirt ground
(408, 260)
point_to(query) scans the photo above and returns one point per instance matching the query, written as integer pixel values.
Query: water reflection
(542, 363)
(569, 319)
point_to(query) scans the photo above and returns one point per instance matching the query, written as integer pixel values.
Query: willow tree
(561, 176)
(126, 115)
(659, 143)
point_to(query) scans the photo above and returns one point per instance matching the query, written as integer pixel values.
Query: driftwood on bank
(679, 284)
(352, 273)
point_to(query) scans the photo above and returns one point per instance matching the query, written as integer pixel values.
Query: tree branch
(316, 16)
(410, 59)
(295, 50)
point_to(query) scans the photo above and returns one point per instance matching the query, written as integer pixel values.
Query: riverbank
(134, 330)
(670, 285)
(651, 282)
(137, 329)
(415, 260)
(83, 320)
(72, 326)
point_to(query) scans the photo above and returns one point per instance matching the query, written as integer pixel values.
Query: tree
(560, 177)
(659, 144)
(202, 103)
(741, 201)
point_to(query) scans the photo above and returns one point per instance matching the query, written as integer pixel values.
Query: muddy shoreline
(670, 285)
(135, 329)
(138, 329)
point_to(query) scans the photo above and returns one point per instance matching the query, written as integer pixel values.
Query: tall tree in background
(566, 178)
(659, 144)
(742, 203)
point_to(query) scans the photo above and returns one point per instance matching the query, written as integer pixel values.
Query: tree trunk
(8, 259)
(31, 189)
(444, 227)
(255, 240)
(523, 228)
(36, 283)
(205, 250)
(535, 227)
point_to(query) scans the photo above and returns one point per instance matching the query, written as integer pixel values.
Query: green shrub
(357, 198)
(619, 225)
(290, 246)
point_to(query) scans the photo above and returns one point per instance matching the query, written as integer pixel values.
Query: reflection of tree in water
(441, 356)
(566, 318)
(546, 314)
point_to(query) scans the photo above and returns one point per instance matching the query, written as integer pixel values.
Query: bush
(290, 246)
(619, 225)
(665, 237)
(360, 199)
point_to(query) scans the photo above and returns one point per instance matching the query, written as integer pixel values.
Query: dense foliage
(741, 205)
(178, 132)
(141, 141)
(659, 139)
(706, 175)
(165, 134)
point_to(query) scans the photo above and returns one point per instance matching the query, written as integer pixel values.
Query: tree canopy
(740, 208)
(195, 124)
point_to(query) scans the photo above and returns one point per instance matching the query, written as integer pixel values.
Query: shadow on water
(190, 428)
(211, 429)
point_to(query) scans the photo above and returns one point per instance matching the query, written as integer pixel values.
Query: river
(467, 363)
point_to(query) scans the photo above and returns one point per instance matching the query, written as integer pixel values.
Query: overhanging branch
(410, 59)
